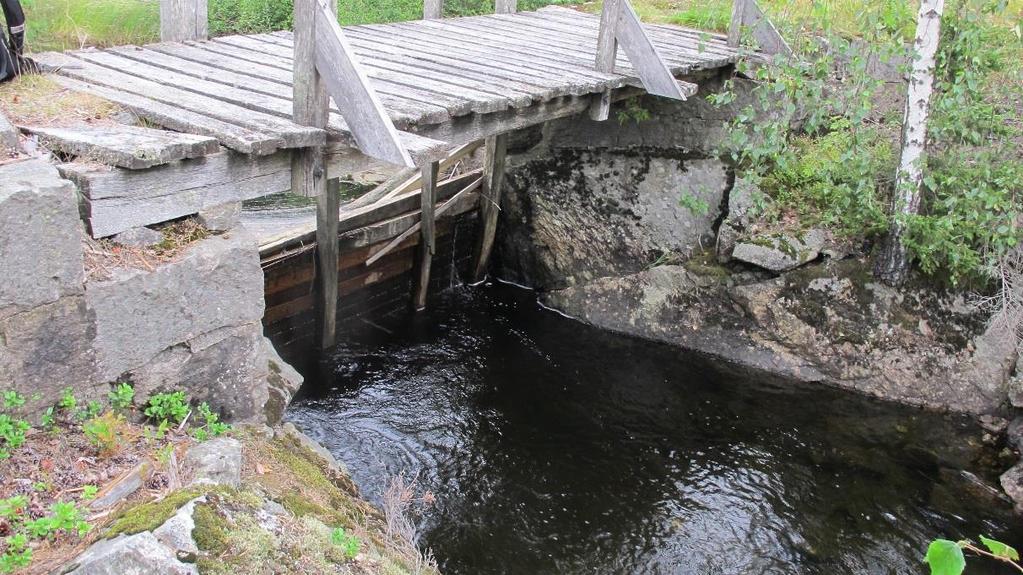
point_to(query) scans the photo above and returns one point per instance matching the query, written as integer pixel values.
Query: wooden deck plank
(130, 147)
(292, 135)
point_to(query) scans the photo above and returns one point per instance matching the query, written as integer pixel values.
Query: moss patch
(149, 516)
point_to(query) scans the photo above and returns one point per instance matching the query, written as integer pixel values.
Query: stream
(554, 448)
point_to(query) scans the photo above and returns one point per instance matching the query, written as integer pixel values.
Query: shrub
(106, 433)
(348, 543)
(211, 425)
(168, 407)
(122, 396)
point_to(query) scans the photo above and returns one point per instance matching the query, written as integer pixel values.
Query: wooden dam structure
(239, 117)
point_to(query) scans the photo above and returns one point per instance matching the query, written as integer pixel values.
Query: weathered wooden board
(183, 20)
(131, 147)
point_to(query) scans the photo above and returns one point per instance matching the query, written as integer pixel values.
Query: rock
(283, 382)
(45, 348)
(1012, 483)
(1016, 384)
(41, 234)
(122, 487)
(781, 253)
(820, 324)
(176, 532)
(8, 134)
(139, 238)
(741, 203)
(304, 440)
(217, 461)
(993, 424)
(217, 283)
(139, 554)
(221, 218)
(1014, 433)
(584, 214)
(230, 368)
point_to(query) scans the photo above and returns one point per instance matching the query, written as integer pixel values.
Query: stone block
(176, 532)
(217, 461)
(139, 238)
(216, 283)
(781, 253)
(48, 348)
(40, 237)
(221, 218)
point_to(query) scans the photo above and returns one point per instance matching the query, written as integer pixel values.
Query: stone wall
(190, 323)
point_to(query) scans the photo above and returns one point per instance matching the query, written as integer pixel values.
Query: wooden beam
(505, 6)
(433, 9)
(418, 225)
(182, 20)
(607, 52)
(130, 147)
(490, 201)
(348, 84)
(655, 74)
(428, 235)
(747, 14)
(327, 206)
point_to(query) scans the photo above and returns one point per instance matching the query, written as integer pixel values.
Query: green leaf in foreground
(1000, 549)
(945, 557)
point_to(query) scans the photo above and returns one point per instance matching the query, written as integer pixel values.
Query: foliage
(64, 518)
(348, 543)
(837, 168)
(106, 433)
(168, 407)
(12, 429)
(211, 424)
(632, 110)
(946, 557)
(122, 396)
(68, 402)
(695, 204)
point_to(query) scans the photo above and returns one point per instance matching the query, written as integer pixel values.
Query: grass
(38, 100)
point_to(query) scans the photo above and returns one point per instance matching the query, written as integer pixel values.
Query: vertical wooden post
(427, 235)
(490, 201)
(183, 20)
(607, 52)
(735, 27)
(433, 9)
(309, 170)
(505, 6)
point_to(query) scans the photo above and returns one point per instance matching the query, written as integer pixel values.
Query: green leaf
(945, 558)
(1000, 549)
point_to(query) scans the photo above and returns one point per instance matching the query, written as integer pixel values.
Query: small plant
(349, 544)
(89, 492)
(632, 111)
(168, 407)
(106, 433)
(17, 556)
(67, 401)
(696, 206)
(91, 410)
(47, 419)
(11, 400)
(946, 557)
(211, 424)
(64, 518)
(12, 434)
(122, 396)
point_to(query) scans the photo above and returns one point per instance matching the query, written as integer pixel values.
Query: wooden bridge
(250, 115)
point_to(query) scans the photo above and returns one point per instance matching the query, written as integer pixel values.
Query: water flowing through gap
(554, 448)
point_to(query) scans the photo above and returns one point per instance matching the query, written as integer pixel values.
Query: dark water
(553, 448)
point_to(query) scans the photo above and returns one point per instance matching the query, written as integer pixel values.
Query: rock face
(828, 324)
(140, 554)
(577, 215)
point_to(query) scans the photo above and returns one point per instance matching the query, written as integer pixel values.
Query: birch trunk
(892, 264)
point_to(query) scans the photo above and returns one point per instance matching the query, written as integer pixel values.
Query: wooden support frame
(505, 6)
(182, 20)
(747, 14)
(327, 206)
(621, 26)
(428, 236)
(490, 201)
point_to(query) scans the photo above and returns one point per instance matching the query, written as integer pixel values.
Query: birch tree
(892, 264)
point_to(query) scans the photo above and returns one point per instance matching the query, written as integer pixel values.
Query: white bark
(893, 264)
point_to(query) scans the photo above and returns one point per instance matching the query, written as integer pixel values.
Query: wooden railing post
(735, 26)
(183, 20)
(433, 9)
(607, 52)
(309, 169)
(505, 6)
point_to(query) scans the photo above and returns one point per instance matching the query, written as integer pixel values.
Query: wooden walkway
(442, 82)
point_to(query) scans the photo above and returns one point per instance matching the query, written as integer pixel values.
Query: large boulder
(576, 215)
(828, 324)
(41, 237)
(780, 252)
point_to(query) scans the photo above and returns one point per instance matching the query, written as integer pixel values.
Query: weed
(632, 111)
(68, 402)
(168, 407)
(349, 544)
(89, 492)
(106, 433)
(11, 400)
(122, 396)
(64, 518)
(12, 434)
(211, 425)
(47, 419)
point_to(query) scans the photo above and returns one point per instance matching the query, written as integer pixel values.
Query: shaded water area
(554, 448)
